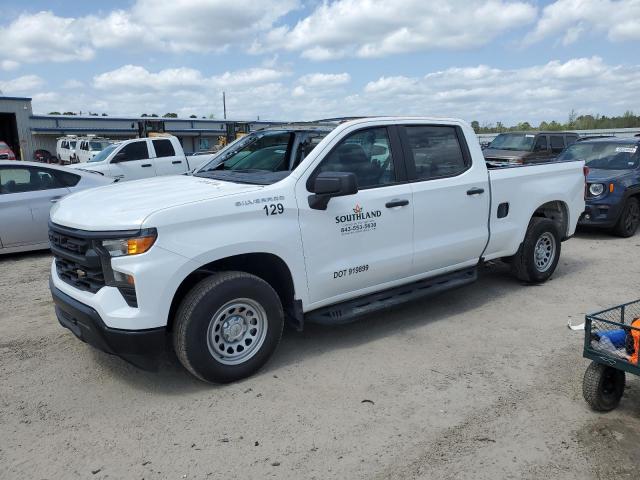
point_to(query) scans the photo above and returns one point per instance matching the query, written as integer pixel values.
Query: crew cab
(528, 147)
(299, 224)
(142, 158)
(613, 191)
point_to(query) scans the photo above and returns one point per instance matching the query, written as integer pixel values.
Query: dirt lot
(481, 382)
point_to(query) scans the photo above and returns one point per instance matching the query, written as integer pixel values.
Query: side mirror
(119, 157)
(332, 184)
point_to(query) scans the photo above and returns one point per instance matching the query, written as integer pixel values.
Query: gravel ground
(481, 382)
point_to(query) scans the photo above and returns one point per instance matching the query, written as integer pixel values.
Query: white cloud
(484, 93)
(24, 84)
(135, 77)
(72, 83)
(44, 37)
(8, 65)
(619, 20)
(320, 80)
(176, 26)
(375, 28)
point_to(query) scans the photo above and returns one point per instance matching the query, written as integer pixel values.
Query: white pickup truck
(142, 158)
(299, 224)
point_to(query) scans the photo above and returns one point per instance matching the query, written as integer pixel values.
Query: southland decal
(359, 221)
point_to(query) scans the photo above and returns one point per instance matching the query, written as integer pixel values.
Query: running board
(352, 309)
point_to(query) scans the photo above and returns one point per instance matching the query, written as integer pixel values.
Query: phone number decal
(357, 227)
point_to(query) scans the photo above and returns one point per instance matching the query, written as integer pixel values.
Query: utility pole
(224, 105)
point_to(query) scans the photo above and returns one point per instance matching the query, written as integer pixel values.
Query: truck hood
(124, 206)
(504, 155)
(604, 175)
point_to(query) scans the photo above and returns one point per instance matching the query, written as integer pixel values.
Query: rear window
(163, 148)
(435, 151)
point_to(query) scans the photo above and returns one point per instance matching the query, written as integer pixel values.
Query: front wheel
(539, 253)
(629, 219)
(228, 326)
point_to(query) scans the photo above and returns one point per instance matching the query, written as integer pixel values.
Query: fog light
(123, 278)
(587, 217)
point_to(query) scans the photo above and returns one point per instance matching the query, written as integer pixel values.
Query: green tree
(54, 113)
(193, 116)
(476, 126)
(170, 115)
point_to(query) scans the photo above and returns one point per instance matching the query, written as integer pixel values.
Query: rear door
(166, 160)
(132, 162)
(26, 196)
(450, 196)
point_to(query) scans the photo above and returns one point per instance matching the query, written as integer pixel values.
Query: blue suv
(613, 183)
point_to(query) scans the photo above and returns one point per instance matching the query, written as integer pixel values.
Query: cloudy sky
(485, 60)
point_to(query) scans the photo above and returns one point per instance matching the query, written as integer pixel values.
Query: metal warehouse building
(25, 132)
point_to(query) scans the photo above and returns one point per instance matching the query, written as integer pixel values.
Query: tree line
(574, 122)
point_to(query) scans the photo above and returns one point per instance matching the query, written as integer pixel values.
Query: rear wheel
(629, 219)
(538, 255)
(227, 326)
(602, 387)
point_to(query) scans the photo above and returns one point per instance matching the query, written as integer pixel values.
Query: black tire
(629, 219)
(524, 263)
(602, 387)
(196, 348)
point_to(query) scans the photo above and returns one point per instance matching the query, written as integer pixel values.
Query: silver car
(27, 191)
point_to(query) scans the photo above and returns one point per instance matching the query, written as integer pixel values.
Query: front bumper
(86, 324)
(600, 215)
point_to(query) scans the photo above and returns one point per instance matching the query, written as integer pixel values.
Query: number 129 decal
(273, 209)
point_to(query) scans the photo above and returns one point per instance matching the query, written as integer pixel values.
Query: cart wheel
(602, 387)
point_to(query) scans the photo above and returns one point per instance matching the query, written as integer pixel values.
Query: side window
(163, 148)
(541, 144)
(20, 180)
(435, 151)
(134, 151)
(67, 179)
(367, 154)
(557, 143)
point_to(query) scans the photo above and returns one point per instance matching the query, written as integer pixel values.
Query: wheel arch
(558, 212)
(269, 267)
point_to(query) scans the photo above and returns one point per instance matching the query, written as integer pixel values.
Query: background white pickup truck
(143, 158)
(317, 224)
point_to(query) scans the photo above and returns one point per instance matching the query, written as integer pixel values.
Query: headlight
(596, 189)
(129, 246)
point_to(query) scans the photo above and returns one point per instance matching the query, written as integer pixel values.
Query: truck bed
(525, 188)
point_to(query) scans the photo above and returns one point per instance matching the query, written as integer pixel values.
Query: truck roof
(621, 140)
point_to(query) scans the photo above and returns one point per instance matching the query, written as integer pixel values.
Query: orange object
(633, 341)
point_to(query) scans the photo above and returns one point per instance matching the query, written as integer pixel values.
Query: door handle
(475, 191)
(397, 203)
(176, 162)
(55, 199)
(145, 165)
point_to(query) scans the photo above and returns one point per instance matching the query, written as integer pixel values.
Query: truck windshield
(104, 153)
(261, 157)
(513, 141)
(604, 155)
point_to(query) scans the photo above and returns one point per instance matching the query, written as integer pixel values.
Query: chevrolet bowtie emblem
(81, 273)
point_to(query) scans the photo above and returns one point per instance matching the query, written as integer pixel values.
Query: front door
(132, 162)
(363, 240)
